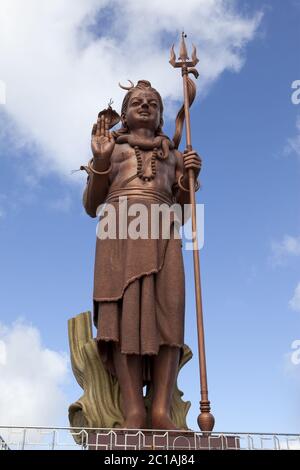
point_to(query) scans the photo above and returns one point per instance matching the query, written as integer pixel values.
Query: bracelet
(105, 172)
(197, 185)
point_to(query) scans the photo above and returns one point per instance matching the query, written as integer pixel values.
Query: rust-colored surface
(138, 160)
(155, 440)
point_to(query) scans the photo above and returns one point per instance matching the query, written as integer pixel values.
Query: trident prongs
(183, 59)
(194, 55)
(172, 56)
(183, 54)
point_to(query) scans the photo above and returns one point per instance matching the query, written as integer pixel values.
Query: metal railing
(47, 438)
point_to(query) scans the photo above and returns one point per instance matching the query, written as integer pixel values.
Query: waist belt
(140, 193)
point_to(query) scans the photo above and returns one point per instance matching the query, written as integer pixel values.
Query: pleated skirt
(149, 314)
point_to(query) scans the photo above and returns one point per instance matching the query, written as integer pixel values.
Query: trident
(205, 419)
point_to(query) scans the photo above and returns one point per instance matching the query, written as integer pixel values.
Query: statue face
(143, 110)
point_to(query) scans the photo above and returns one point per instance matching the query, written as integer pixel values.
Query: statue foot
(162, 420)
(135, 420)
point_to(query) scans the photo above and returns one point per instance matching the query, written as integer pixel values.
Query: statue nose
(145, 105)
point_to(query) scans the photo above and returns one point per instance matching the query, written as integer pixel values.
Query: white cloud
(61, 61)
(295, 356)
(2, 353)
(31, 378)
(288, 246)
(293, 144)
(294, 303)
(2, 92)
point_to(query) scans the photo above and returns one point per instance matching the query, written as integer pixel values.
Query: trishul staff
(205, 419)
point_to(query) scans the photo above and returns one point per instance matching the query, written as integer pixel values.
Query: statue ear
(123, 120)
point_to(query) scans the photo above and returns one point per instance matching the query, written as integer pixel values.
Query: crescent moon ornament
(127, 87)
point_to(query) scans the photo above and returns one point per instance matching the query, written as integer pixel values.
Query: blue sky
(243, 126)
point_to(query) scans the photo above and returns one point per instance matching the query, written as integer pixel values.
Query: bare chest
(135, 167)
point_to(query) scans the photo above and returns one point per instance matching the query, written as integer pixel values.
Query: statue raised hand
(102, 142)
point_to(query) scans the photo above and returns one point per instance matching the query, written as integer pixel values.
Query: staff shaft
(205, 419)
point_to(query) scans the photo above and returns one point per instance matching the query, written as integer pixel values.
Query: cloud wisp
(31, 378)
(293, 143)
(288, 247)
(294, 303)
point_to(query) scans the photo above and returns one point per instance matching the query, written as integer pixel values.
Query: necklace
(149, 173)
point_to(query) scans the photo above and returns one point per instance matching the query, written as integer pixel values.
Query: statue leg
(129, 374)
(165, 368)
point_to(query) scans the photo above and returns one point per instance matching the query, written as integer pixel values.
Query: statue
(139, 283)
(139, 297)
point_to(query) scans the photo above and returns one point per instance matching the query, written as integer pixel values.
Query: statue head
(142, 106)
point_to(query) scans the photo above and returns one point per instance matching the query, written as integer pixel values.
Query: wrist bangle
(96, 172)
(197, 185)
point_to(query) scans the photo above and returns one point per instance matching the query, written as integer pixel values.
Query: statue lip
(144, 113)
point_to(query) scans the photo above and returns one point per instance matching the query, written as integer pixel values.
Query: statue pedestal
(117, 439)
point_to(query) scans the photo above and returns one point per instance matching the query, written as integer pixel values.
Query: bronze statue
(139, 283)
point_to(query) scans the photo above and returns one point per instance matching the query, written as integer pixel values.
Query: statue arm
(100, 166)
(95, 192)
(184, 162)
(182, 197)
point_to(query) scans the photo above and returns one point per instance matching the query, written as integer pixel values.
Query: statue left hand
(192, 160)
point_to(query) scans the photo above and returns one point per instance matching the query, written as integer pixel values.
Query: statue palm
(102, 142)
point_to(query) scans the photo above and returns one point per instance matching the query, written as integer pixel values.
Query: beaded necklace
(145, 176)
(160, 147)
